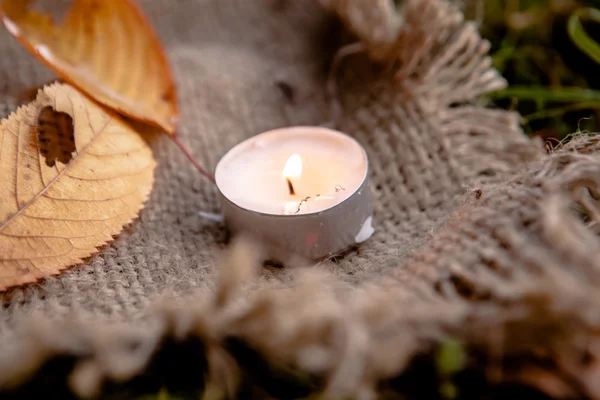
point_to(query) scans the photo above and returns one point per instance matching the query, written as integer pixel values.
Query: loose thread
(304, 200)
(337, 188)
(193, 160)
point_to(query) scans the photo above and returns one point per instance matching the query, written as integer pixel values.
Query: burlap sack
(480, 236)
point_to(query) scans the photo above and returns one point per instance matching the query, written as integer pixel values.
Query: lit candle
(300, 189)
(292, 169)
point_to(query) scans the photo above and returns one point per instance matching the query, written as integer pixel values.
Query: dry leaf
(72, 175)
(105, 48)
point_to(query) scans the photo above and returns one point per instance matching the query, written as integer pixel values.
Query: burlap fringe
(530, 314)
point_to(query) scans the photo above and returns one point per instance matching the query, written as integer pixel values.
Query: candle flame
(293, 167)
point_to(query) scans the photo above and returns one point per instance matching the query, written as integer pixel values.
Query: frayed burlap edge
(533, 306)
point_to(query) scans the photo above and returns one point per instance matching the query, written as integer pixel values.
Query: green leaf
(448, 390)
(561, 95)
(580, 37)
(558, 112)
(450, 357)
(163, 394)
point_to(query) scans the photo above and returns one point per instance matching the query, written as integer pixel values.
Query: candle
(300, 189)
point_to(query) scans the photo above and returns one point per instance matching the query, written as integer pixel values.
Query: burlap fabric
(480, 235)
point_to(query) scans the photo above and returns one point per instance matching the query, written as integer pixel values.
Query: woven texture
(480, 235)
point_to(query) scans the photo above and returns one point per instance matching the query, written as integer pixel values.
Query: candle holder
(314, 214)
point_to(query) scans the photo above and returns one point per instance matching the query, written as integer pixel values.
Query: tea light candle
(303, 190)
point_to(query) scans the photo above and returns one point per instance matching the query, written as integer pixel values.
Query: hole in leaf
(55, 135)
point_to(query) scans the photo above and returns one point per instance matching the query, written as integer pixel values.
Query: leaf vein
(20, 209)
(91, 200)
(139, 172)
(72, 220)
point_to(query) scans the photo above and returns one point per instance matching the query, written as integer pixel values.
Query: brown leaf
(72, 174)
(105, 48)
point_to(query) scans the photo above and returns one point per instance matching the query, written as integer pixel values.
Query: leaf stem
(191, 157)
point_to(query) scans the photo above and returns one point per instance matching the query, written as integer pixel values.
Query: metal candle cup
(302, 190)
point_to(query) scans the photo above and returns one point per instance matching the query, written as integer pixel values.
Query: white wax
(333, 167)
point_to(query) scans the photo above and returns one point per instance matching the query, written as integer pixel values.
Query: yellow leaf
(107, 49)
(72, 175)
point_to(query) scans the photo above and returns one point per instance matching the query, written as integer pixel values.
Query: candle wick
(290, 186)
